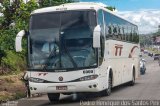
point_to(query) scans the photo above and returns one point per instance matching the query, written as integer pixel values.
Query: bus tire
(53, 97)
(107, 91)
(132, 82)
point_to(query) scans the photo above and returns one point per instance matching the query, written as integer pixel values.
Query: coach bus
(78, 48)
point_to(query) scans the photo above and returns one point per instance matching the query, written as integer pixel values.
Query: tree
(111, 8)
(47, 3)
(156, 34)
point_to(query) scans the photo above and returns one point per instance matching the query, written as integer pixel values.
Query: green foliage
(13, 61)
(111, 8)
(15, 17)
(6, 40)
(156, 34)
(47, 3)
(145, 40)
(23, 14)
(18, 95)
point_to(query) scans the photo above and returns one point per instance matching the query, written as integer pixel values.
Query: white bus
(79, 47)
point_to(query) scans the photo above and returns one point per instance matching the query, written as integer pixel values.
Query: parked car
(142, 66)
(156, 56)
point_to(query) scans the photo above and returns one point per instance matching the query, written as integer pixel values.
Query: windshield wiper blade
(69, 55)
(48, 59)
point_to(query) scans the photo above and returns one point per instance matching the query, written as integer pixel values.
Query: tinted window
(135, 35)
(44, 21)
(129, 33)
(74, 19)
(102, 39)
(120, 29)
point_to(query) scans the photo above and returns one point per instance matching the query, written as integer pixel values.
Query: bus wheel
(108, 90)
(131, 83)
(53, 97)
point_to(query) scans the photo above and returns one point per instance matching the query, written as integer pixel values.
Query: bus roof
(77, 6)
(68, 6)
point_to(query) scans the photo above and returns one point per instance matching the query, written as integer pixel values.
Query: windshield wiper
(49, 57)
(69, 55)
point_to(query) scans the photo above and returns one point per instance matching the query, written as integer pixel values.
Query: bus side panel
(121, 56)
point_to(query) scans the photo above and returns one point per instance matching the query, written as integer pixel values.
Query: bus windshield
(62, 40)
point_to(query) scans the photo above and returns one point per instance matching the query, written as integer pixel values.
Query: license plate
(61, 87)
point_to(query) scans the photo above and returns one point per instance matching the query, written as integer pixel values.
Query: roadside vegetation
(149, 42)
(11, 87)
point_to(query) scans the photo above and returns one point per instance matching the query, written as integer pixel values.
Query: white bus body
(121, 66)
(120, 59)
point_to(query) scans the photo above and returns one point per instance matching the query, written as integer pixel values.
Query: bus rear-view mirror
(96, 37)
(18, 41)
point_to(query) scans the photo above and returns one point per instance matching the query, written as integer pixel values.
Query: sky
(144, 13)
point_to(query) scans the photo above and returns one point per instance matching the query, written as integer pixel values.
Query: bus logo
(60, 78)
(118, 49)
(131, 52)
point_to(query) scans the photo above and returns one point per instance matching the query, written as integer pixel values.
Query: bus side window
(102, 39)
(125, 33)
(115, 31)
(123, 36)
(110, 30)
(101, 54)
(131, 35)
(100, 21)
(121, 32)
(109, 25)
(106, 31)
(135, 35)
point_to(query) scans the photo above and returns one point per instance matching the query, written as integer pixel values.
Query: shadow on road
(77, 98)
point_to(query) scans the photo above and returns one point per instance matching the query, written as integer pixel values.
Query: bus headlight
(91, 77)
(37, 80)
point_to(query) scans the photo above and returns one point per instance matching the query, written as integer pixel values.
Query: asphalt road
(147, 87)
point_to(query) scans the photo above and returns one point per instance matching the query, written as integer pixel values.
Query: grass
(11, 87)
(9, 80)
(11, 73)
(5, 96)
(155, 51)
(19, 95)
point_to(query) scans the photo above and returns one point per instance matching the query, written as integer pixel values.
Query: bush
(14, 61)
(9, 80)
(19, 95)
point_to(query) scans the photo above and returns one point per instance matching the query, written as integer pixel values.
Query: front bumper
(81, 86)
